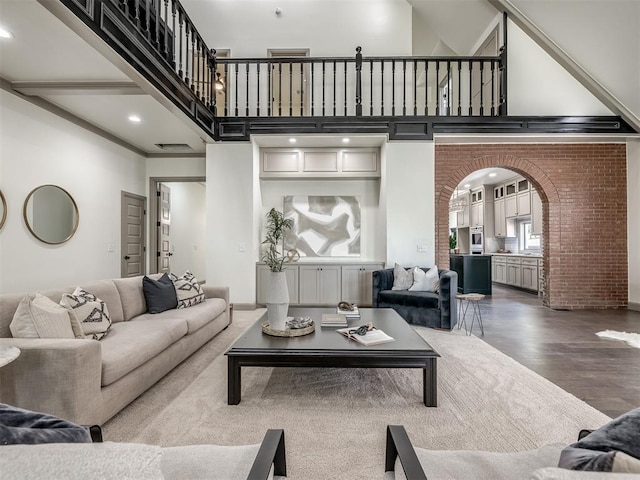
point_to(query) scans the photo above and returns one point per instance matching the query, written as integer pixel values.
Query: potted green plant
(277, 297)
(453, 241)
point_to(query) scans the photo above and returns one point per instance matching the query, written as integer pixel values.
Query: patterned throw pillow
(90, 311)
(402, 278)
(188, 290)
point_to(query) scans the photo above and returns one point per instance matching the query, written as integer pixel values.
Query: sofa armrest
(60, 377)
(272, 452)
(214, 291)
(447, 299)
(399, 445)
(382, 280)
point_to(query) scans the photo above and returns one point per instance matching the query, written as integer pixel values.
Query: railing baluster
(166, 30)
(196, 57)
(173, 33)
(213, 93)
(180, 49)
(258, 87)
(235, 70)
(323, 86)
(226, 88)
(459, 87)
(312, 91)
(345, 88)
(137, 12)
(124, 6)
(481, 88)
(426, 87)
(187, 68)
(393, 87)
(290, 89)
(415, 88)
(269, 80)
(493, 72)
(148, 18)
(193, 55)
(382, 88)
(448, 88)
(246, 100)
(334, 88)
(301, 89)
(280, 88)
(470, 87)
(157, 40)
(371, 87)
(404, 87)
(437, 88)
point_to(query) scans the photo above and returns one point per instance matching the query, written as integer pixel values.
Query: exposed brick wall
(584, 196)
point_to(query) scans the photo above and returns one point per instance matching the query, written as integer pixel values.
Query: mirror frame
(26, 220)
(4, 210)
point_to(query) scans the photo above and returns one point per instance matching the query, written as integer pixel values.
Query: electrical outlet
(422, 248)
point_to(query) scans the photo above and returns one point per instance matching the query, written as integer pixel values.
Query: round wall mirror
(3, 210)
(51, 214)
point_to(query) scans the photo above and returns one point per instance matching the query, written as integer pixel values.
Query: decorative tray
(296, 327)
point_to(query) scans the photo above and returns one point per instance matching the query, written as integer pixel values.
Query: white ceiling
(319, 140)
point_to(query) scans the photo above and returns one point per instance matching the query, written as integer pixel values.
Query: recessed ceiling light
(134, 118)
(4, 33)
(493, 174)
(292, 140)
(345, 140)
(467, 185)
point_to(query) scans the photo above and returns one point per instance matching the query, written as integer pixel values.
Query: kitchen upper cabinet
(536, 213)
(320, 285)
(357, 283)
(524, 203)
(477, 214)
(510, 188)
(511, 206)
(500, 224)
(291, 273)
(462, 217)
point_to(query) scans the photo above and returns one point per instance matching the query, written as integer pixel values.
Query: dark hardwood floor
(562, 347)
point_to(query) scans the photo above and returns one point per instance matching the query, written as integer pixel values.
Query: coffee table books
(333, 320)
(352, 313)
(372, 337)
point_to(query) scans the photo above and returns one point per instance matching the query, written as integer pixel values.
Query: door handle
(170, 254)
(127, 257)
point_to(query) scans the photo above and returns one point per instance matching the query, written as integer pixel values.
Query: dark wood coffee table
(327, 348)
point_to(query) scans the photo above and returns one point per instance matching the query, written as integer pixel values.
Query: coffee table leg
(234, 382)
(430, 383)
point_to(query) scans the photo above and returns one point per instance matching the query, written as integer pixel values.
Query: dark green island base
(474, 272)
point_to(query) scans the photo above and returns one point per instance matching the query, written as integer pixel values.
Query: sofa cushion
(132, 296)
(196, 316)
(456, 465)
(554, 473)
(160, 294)
(89, 311)
(409, 299)
(130, 344)
(402, 278)
(38, 316)
(212, 462)
(107, 292)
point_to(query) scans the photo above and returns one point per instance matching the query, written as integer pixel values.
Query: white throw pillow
(402, 278)
(188, 290)
(89, 311)
(40, 317)
(428, 281)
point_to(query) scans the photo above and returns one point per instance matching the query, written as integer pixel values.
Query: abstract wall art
(323, 226)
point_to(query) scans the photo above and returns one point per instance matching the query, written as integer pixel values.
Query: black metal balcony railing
(359, 86)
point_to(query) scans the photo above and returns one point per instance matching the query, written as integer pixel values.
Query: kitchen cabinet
(262, 283)
(510, 188)
(514, 272)
(336, 163)
(320, 285)
(499, 269)
(524, 203)
(529, 273)
(536, 213)
(503, 227)
(511, 206)
(477, 214)
(462, 217)
(357, 283)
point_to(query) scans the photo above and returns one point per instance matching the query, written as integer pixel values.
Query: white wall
(602, 36)
(230, 219)
(177, 167)
(633, 218)
(538, 85)
(327, 27)
(188, 222)
(36, 148)
(410, 212)
(367, 191)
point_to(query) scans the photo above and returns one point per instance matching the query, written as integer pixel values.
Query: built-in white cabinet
(323, 283)
(476, 211)
(319, 284)
(357, 284)
(517, 197)
(503, 226)
(511, 206)
(536, 213)
(499, 269)
(514, 272)
(262, 282)
(529, 273)
(320, 163)
(518, 271)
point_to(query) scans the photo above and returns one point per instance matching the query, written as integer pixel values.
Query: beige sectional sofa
(89, 381)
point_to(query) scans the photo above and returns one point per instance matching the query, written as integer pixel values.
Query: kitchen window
(527, 240)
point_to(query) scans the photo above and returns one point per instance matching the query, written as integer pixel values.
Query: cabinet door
(262, 283)
(329, 285)
(463, 217)
(477, 214)
(536, 213)
(529, 277)
(524, 203)
(499, 222)
(514, 276)
(511, 207)
(501, 273)
(309, 285)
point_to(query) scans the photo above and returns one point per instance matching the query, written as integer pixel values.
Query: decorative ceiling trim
(44, 88)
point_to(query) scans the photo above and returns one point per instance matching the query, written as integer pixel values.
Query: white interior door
(132, 238)
(164, 229)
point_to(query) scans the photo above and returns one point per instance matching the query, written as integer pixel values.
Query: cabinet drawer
(499, 259)
(530, 261)
(514, 260)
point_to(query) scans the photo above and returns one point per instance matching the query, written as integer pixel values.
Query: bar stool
(472, 299)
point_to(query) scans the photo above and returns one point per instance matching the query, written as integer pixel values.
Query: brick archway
(580, 169)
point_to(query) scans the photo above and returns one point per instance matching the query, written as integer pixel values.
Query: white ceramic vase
(277, 300)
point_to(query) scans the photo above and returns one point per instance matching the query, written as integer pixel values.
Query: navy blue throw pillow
(160, 294)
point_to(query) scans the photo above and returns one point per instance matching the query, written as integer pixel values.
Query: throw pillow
(608, 448)
(402, 278)
(90, 312)
(40, 317)
(425, 281)
(160, 294)
(188, 290)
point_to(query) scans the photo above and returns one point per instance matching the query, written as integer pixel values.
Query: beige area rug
(335, 419)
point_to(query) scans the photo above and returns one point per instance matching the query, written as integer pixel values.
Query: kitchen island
(474, 272)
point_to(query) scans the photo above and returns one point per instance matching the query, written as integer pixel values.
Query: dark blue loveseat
(428, 309)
